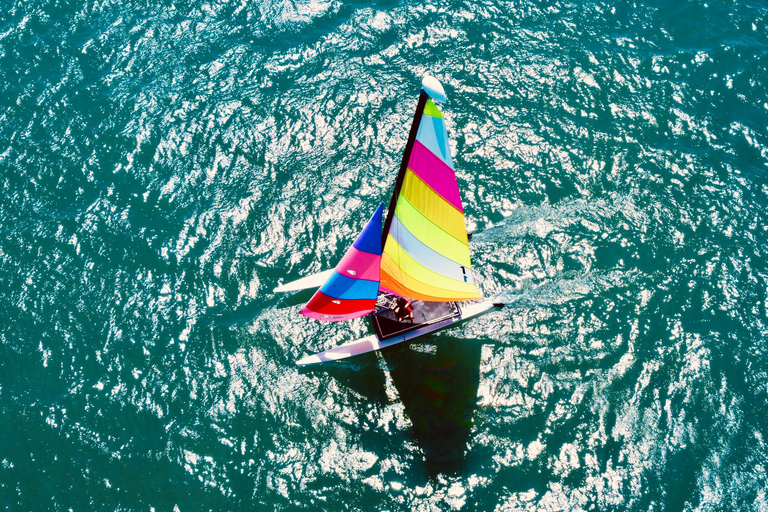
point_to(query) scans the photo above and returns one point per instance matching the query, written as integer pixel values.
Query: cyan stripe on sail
(433, 135)
(346, 288)
(426, 256)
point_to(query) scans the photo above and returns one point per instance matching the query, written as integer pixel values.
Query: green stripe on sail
(430, 234)
(430, 109)
(419, 272)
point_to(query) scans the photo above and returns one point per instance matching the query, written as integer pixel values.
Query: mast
(423, 97)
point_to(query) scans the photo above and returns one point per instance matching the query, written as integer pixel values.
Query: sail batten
(393, 279)
(409, 266)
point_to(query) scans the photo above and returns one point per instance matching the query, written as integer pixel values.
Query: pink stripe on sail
(360, 265)
(435, 173)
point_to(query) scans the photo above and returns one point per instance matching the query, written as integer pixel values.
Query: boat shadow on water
(437, 380)
(361, 374)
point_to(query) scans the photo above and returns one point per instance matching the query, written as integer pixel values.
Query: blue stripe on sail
(433, 135)
(370, 239)
(426, 256)
(342, 287)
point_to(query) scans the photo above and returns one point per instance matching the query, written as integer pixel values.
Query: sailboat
(415, 260)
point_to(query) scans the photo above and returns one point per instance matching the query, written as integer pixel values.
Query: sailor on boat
(404, 309)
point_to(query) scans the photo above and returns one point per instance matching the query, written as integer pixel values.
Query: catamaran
(415, 259)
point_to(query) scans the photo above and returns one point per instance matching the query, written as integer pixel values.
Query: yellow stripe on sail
(423, 274)
(398, 281)
(433, 206)
(431, 234)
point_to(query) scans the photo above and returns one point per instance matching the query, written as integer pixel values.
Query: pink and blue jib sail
(352, 290)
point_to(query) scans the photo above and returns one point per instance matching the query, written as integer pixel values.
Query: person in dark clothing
(404, 310)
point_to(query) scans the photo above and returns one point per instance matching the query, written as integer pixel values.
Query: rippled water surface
(164, 165)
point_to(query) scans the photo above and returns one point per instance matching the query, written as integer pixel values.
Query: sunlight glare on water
(165, 166)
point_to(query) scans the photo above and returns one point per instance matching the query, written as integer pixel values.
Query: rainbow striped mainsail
(426, 248)
(425, 244)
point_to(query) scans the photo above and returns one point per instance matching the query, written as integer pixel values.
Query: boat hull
(372, 342)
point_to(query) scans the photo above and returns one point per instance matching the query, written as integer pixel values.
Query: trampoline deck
(387, 325)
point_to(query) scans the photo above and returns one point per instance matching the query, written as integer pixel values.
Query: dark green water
(165, 165)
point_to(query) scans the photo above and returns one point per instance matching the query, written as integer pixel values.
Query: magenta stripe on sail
(435, 173)
(360, 265)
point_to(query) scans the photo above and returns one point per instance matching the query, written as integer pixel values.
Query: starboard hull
(372, 342)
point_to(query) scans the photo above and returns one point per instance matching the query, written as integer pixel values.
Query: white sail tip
(433, 88)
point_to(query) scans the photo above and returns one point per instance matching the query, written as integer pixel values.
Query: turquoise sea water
(164, 165)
